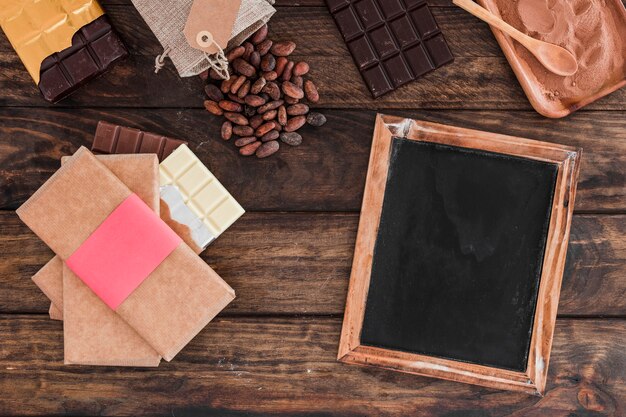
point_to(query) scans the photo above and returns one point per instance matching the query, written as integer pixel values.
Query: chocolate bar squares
(392, 42)
(114, 139)
(95, 47)
(200, 190)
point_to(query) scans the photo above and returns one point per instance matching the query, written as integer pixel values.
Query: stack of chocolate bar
(127, 280)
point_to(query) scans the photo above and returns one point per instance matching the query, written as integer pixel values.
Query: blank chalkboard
(458, 256)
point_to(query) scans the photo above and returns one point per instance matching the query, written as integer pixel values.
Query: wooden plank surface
(272, 352)
(228, 371)
(330, 165)
(299, 263)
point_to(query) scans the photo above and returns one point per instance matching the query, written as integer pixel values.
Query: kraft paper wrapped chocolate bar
(140, 174)
(89, 323)
(135, 264)
(63, 44)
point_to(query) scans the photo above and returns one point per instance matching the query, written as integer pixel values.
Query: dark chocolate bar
(392, 42)
(95, 48)
(114, 139)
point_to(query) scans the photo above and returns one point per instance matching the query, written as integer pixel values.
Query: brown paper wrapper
(174, 302)
(93, 334)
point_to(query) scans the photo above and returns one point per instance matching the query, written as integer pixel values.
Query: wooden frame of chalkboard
(567, 161)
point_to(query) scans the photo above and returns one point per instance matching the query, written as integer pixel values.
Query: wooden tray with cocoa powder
(594, 31)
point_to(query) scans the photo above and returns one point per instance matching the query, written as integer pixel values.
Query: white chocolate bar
(201, 191)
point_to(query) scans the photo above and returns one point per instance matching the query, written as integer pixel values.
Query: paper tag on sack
(210, 24)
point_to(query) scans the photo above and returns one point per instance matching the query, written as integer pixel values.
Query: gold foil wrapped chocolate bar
(62, 43)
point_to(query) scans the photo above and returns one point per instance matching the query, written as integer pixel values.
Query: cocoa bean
(284, 48)
(278, 128)
(316, 119)
(254, 100)
(243, 67)
(226, 84)
(282, 115)
(295, 123)
(213, 92)
(237, 84)
(228, 105)
(264, 47)
(297, 109)
(291, 100)
(260, 35)
(248, 49)
(288, 71)
(244, 141)
(256, 121)
(300, 69)
(214, 75)
(243, 130)
(227, 130)
(268, 63)
(281, 63)
(250, 149)
(265, 97)
(271, 135)
(297, 80)
(204, 75)
(267, 149)
(291, 138)
(310, 90)
(235, 53)
(255, 59)
(213, 108)
(236, 118)
(272, 90)
(270, 115)
(244, 90)
(249, 111)
(235, 98)
(272, 105)
(292, 90)
(264, 128)
(258, 85)
(269, 75)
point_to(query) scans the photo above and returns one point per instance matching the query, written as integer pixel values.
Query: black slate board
(458, 256)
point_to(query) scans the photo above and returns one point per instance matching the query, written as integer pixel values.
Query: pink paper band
(130, 244)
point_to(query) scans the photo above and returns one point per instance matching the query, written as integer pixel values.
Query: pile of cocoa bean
(262, 101)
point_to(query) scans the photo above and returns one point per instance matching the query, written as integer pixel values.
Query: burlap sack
(167, 19)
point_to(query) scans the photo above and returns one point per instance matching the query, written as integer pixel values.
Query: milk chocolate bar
(200, 190)
(392, 42)
(115, 139)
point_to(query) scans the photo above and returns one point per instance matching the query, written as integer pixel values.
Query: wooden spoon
(555, 58)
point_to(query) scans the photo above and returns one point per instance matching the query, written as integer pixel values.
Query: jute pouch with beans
(167, 19)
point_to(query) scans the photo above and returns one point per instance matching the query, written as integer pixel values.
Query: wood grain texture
(330, 165)
(299, 263)
(480, 77)
(286, 367)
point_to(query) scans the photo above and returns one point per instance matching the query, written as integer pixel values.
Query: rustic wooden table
(272, 351)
